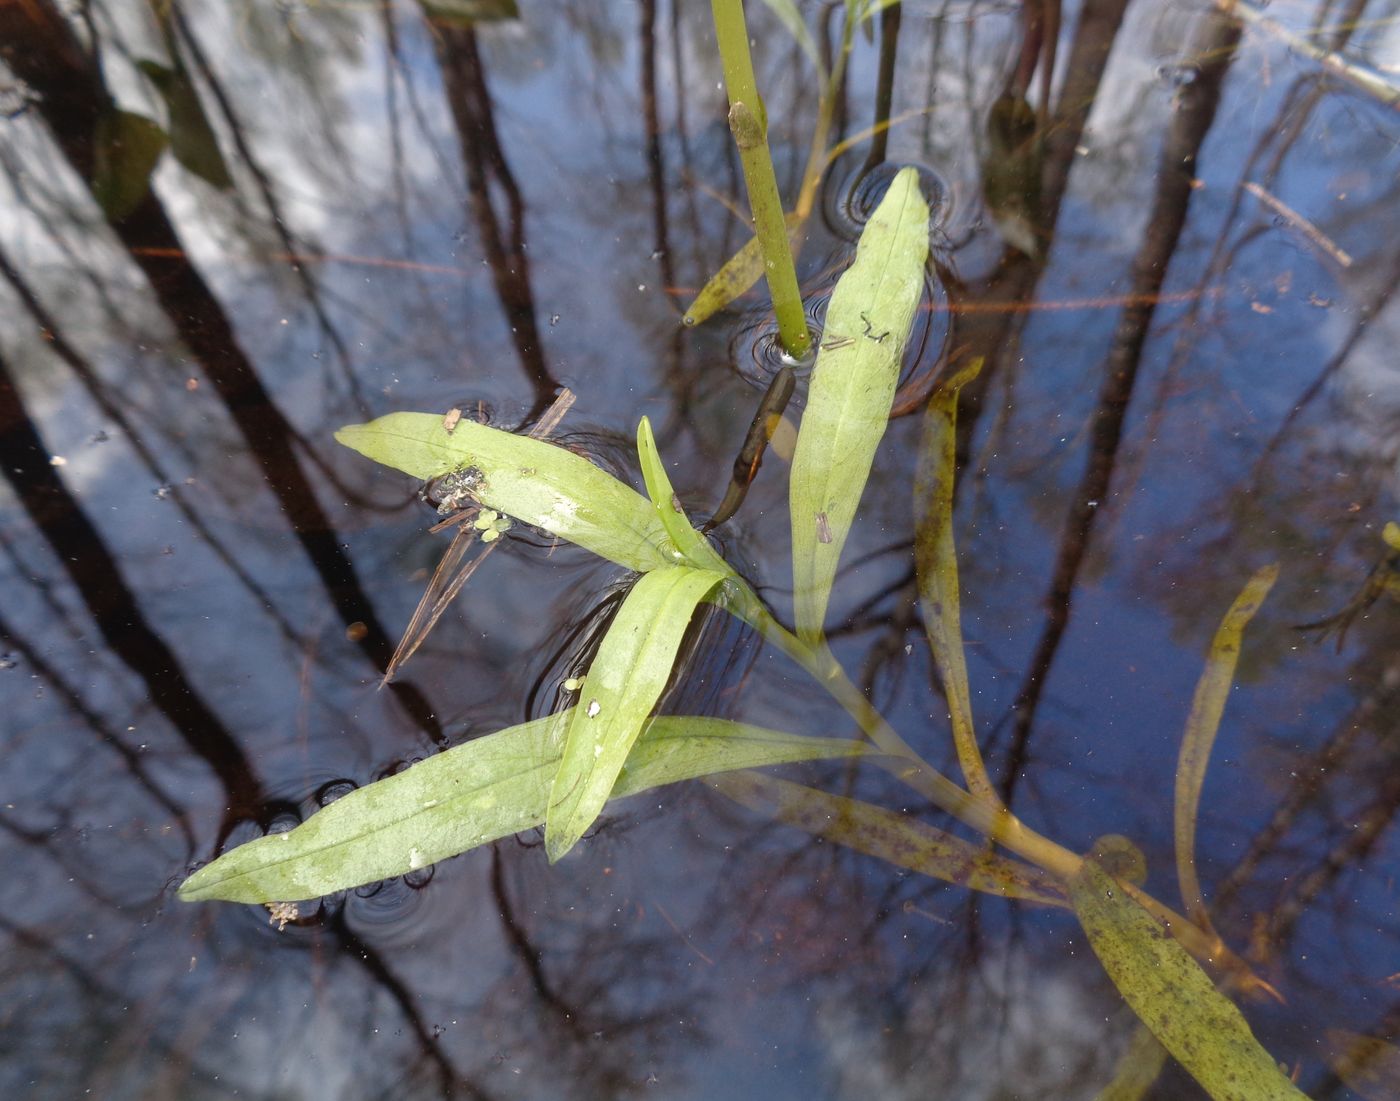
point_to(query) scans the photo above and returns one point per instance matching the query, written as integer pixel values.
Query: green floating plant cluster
(561, 771)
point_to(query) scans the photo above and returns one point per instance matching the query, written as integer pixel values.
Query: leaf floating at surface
(936, 569)
(1207, 707)
(740, 272)
(533, 481)
(1366, 1064)
(624, 682)
(487, 788)
(127, 147)
(902, 841)
(694, 546)
(1173, 996)
(848, 404)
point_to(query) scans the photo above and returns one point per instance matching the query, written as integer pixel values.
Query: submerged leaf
(1138, 1068)
(936, 568)
(624, 682)
(192, 140)
(853, 383)
(791, 18)
(903, 841)
(1172, 995)
(474, 793)
(1391, 534)
(533, 481)
(127, 147)
(740, 272)
(694, 546)
(1366, 1064)
(1208, 705)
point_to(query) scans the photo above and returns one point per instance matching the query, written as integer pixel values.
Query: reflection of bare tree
(1213, 48)
(39, 45)
(470, 100)
(78, 545)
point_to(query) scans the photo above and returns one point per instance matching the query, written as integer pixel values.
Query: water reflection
(1182, 285)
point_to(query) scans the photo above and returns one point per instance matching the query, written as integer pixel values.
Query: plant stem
(749, 124)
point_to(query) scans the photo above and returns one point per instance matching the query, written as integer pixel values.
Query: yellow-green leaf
(1391, 534)
(530, 480)
(631, 668)
(694, 546)
(900, 840)
(1208, 705)
(848, 403)
(740, 272)
(1173, 996)
(474, 793)
(936, 568)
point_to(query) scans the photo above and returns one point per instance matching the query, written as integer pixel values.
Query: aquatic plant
(560, 772)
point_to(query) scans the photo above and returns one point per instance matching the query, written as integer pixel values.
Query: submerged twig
(1301, 224)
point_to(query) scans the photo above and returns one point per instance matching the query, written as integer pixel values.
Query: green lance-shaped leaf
(1208, 705)
(1173, 996)
(1137, 1069)
(740, 272)
(848, 404)
(878, 832)
(1368, 1065)
(126, 149)
(474, 793)
(694, 546)
(623, 684)
(936, 566)
(530, 480)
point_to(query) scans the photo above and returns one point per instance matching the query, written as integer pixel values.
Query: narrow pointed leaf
(792, 20)
(1173, 996)
(192, 140)
(740, 272)
(878, 832)
(694, 546)
(936, 566)
(474, 793)
(533, 481)
(623, 684)
(1368, 1065)
(1212, 691)
(852, 387)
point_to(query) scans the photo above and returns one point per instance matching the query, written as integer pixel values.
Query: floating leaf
(876, 831)
(853, 383)
(740, 272)
(192, 140)
(1391, 534)
(127, 147)
(936, 567)
(1367, 1065)
(1172, 995)
(1212, 690)
(1138, 1068)
(487, 788)
(530, 480)
(624, 681)
(694, 546)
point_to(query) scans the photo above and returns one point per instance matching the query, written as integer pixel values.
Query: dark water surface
(1185, 298)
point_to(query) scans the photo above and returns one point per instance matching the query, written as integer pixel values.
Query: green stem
(749, 124)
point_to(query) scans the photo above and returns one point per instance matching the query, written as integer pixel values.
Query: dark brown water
(1185, 297)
